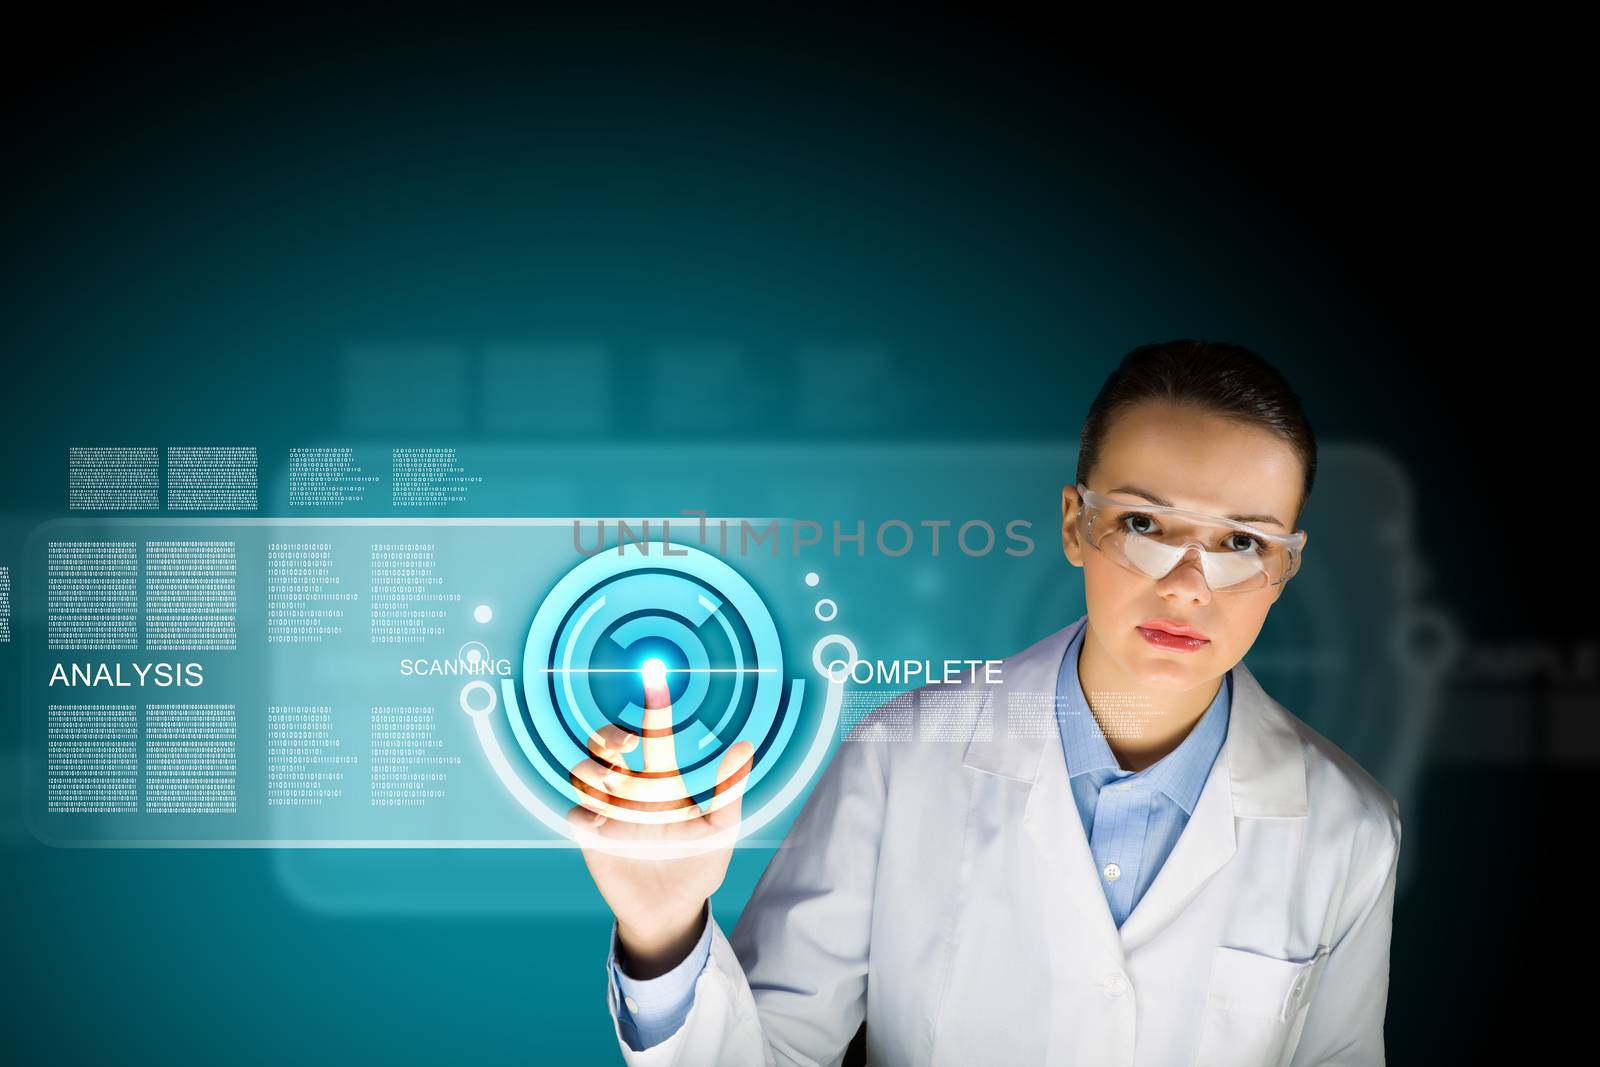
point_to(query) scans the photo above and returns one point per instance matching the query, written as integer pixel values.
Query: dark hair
(1219, 378)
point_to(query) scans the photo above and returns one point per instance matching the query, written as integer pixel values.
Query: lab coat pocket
(1255, 1007)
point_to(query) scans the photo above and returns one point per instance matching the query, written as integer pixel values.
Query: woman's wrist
(652, 953)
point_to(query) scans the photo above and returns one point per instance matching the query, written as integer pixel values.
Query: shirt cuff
(650, 1010)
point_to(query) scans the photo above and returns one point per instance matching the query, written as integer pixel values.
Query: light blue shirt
(1131, 827)
(1133, 818)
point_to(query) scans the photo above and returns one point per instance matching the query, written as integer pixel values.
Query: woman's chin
(1160, 669)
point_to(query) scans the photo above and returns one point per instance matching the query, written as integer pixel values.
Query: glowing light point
(483, 613)
(473, 656)
(812, 578)
(655, 673)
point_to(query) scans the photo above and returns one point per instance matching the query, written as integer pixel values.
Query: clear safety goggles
(1151, 540)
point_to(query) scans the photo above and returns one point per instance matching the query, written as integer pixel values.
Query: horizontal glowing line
(368, 843)
(668, 670)
(686, 520)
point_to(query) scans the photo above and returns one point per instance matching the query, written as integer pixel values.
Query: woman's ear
(1071, 547)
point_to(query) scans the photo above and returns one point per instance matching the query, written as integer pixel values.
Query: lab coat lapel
(1207, 842)
(1258, 773)
(1050, 818)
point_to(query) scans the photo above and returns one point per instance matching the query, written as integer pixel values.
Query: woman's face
(1198, 461)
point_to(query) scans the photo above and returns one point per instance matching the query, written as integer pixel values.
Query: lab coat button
(633, 1005)
(1115, 985)
(1112, 872)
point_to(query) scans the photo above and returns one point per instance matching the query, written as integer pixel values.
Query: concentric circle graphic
(608, 616)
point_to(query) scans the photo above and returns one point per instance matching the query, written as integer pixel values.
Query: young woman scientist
(1177, 870)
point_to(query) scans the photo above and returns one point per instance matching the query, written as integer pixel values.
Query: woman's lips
(1172, 642)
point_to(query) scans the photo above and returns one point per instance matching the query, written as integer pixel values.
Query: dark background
(197, 212)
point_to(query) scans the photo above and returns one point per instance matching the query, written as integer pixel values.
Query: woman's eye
(1243, 542)
(1137, 516)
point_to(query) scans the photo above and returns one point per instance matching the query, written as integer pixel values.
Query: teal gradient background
(671, 247)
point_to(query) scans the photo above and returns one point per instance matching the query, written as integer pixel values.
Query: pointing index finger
(658, 753)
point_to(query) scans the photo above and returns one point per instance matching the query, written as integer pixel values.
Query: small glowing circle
(467, 690)
(832, 609)
(473, 655)
(483, 613)
(828, 642)
(812, 578)
(654, 671)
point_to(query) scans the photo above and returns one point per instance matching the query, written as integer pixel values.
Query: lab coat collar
(1259, 774)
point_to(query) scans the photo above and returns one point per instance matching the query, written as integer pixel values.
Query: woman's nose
(1190, 568)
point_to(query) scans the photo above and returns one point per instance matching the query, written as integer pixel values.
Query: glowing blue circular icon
(697, 624)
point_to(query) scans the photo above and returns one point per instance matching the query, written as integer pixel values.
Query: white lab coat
(946, 892)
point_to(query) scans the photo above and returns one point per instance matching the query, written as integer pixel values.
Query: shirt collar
(1180, 774)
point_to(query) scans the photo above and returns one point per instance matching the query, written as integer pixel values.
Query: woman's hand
(656, 876)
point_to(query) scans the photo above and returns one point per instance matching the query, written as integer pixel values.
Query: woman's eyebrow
(1160, 503)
